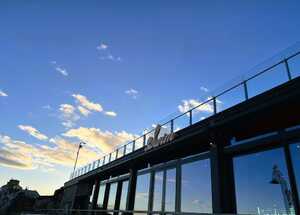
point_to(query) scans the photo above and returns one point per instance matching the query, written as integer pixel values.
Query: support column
(118, 197)
(222, 176)
(95, 194)
(106, 196)
(131, 190)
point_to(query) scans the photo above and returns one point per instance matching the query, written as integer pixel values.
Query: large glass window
(101, 195)
(112, 196)
(262, 184)
(142, 192)
(196, 187)
(124, 195)
(170, 190)
(157, 192)
(295, 151)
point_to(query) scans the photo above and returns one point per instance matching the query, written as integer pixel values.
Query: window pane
(295, 151)
(157, 193)
(124, 195)
(262, 184)
(101, 196)
(142, 190)
(112, 196)
(170, 190)
(196, 187)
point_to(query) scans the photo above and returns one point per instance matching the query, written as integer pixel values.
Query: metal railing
(279, 71)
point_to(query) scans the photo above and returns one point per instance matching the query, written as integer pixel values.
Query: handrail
(283, 60)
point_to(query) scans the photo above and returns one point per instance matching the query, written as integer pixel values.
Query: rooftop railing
(277, 70)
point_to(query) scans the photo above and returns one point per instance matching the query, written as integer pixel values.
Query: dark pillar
(118, 197)
(131, 190)
(106, 195)
(222, 175)
(95, 194)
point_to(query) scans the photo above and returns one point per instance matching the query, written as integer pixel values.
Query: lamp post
(79, 147)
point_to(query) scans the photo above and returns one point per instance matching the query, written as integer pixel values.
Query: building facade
(241, 157)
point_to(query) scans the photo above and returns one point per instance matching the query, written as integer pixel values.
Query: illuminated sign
(155, 141)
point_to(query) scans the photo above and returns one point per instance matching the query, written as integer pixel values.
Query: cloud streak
(132, 93)
(3, 94)
(33, 132)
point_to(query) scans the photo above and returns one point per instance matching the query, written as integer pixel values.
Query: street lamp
(79, 147)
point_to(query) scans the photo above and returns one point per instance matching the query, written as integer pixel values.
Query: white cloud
(83, 111)
(104, 141)
(84, 102)
(33, 132)
(204, 89)
(102, 46)
(68, 115)
(111, 113)
(3, 94)
(132, 92)
(110, 57)
(192, 103)
(48, 107)
(62, 71)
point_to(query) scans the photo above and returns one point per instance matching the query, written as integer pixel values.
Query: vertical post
(106, 195)
(245, 90)
(172, 125)
(117, 152)
(287, 69)
(164, 191)
(125, 149)
(118, 197)
(133, 145)
(191, 117)
(131, 190)
(109, 159)
(215, 104)
(178, 188)
(144, 140)
(95, 194)
(151, 189)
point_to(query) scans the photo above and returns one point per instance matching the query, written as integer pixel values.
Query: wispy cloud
(192, 103)
(110, 57)
(84, 102)
(68, 115)
(3, 94)
(33, 132)
(83, 111)
(62, 71)
(204, 89)
(132, 93)
(102, 46)
(111, 113)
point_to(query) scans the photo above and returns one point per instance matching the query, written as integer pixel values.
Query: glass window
(91, 197)
(157, 192)
(196, 187)
(295, 151)
(262, 184)
(142, 192)
(112, 196)
(124, 195)
(170, 190)
(101, 195)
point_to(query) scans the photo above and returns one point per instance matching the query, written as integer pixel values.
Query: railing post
(172, 126)
(287, 69)
(125, 149)
(144, 140)
(215, 104)
(191, 117)
(245, 90)
(133, 145)
(109, 159)
(117, 152)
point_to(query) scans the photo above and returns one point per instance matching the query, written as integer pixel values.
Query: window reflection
(112, 196)
(101, 196)
(170, 190)
(196, 187)
(157, 192)
(124, 195)
(142, 192)
(295, 151)
(262, 184)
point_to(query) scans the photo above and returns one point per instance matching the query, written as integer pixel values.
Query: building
(239, 156)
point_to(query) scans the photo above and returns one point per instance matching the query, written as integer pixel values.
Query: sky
(103, 71)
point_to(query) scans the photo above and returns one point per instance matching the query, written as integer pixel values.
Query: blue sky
(136, 59)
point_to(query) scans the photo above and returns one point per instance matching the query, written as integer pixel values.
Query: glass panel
(262, 184)
(91, 197)
(165, 129)
(139, 143)
(267, 80)
(120, 152)
(106, 159)
(196, 187)
(113, 156)
(101, 195)
(148, 135)
(129, 148)
(142, 191)
(181, 122)
(157, 192)
(294, 65)
(112, 196)
(170, 190)
(203, 111)
(124, 195)
(295, 151)
(231, 98)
